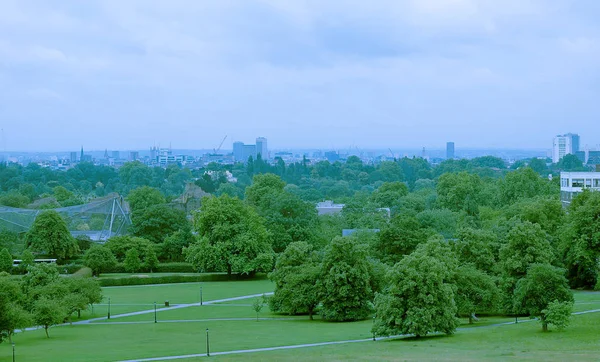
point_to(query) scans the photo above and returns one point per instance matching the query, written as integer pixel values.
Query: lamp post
(108, 307)
(155, 321)
(373, 328)
(13, 346)
(200, 295)
(207, 344)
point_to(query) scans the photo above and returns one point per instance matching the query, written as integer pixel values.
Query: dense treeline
(431, 244)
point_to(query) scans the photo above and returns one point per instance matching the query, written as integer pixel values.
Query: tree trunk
(470, 319)
(544, 326)
(229, 270)
(46, 329)
(310, 314)
(10, 337)
(78, 313)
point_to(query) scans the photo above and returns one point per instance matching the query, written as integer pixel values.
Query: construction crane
(392, 153)
(216, 150)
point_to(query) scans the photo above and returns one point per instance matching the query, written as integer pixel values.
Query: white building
(573, 183)
(261, 148)
(564, 145)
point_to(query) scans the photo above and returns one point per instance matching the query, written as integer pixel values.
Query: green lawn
(100, 341)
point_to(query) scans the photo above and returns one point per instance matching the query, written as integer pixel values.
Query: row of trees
(42, 298)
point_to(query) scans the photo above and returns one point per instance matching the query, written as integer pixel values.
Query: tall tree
(542, 285)
(232, 238)
(100, 259)
(295, 276)
(345, 280)
(6, 261)
(48, 312)
(49, 234)
(419, 299)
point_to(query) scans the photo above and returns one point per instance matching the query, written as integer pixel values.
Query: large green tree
(12, 313)
(143, 197)
(232, 238)
(49, 234)
(345, 281)
(100, 259)
(457, 190)
(420, 297)
(542, 285)
(296, 274)
(6, 261)
(156, 222)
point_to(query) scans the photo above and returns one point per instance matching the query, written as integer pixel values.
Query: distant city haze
(127, 75)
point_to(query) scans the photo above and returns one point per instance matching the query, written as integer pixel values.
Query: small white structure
(328, 207)
(573, 183)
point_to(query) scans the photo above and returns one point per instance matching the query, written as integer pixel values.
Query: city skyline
(327, 75)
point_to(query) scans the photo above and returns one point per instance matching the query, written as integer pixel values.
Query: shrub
(171, 279)
(83, 272)
(175, 268)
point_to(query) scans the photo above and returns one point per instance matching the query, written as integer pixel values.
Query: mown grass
(484, 340)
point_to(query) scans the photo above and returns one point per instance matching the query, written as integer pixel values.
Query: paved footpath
(168, 358)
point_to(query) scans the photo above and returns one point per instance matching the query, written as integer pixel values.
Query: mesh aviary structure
(99, 219)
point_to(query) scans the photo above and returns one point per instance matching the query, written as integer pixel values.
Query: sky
(129, 74)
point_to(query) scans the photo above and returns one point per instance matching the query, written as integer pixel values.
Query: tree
(526, 244)
(172, 247)
(389, 194)
(119, 245)
(398, 238)
(580, 240)
(345, 281)
(150, 260)
(476, 247)
(12, 314)
(296, 276)
(143, 197)
(48, 312)
(570, 162)
(100, 259)
(258, 305)
(6, 261)
(419, 298)
(27, 259)
(522, 183)
(542, 285)
(558, 314)
(476, 291)
(156, 222)
(132, 261)
(262, 187)
(232, 238)
(455, 190)
(89, 289)
(49, 234)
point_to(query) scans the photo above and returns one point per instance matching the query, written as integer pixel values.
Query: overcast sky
(127, 74)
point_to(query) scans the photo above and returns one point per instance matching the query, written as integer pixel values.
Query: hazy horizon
(125, 75)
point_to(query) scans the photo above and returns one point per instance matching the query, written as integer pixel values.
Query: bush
(70, 268)
(171, 279)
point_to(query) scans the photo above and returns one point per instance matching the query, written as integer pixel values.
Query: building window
(597, 182)
(564, 182)
(577, 182)
(588, 182)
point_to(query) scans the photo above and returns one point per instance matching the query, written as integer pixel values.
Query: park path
(307, 345)
(178, 306)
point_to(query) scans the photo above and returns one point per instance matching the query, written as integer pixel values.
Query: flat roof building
(573, 183)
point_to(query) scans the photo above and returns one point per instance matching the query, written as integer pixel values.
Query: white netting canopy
(99, 219)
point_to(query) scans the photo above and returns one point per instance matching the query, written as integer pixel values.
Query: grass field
(232, 326)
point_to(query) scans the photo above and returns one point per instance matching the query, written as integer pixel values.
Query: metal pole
(108, 307)
(516, 319)
(200, 295)
(207, 345)
(13, 346)
(155, 312)
(373, 328)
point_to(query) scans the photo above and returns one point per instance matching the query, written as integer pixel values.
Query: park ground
(132, 334)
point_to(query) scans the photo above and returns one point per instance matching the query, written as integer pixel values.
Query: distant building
(248, 151)
(238, 152)
(449, 150)
(562, 145)
(134, 156)
(73, 157)
(116, 155)
(328, 207)
(332, 156)
(261, 148)
(573, 183)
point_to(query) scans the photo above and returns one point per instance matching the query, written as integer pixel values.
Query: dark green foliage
(150, 260)
(172, 247)
(457, 190)
(521, 184)
(100, 259)
(144, 197)
(171, 279)
(476, 291)
(48, 312)
(296, 274)
(6, 261)
(232, 238)
(132, 261)
(580, 240)
(398, 238)
(420, 298)
(156, 222)
(345, 281)
(119, 245)
(49, 235)
(542, 285)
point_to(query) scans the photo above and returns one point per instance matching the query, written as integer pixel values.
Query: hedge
(169, 279)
